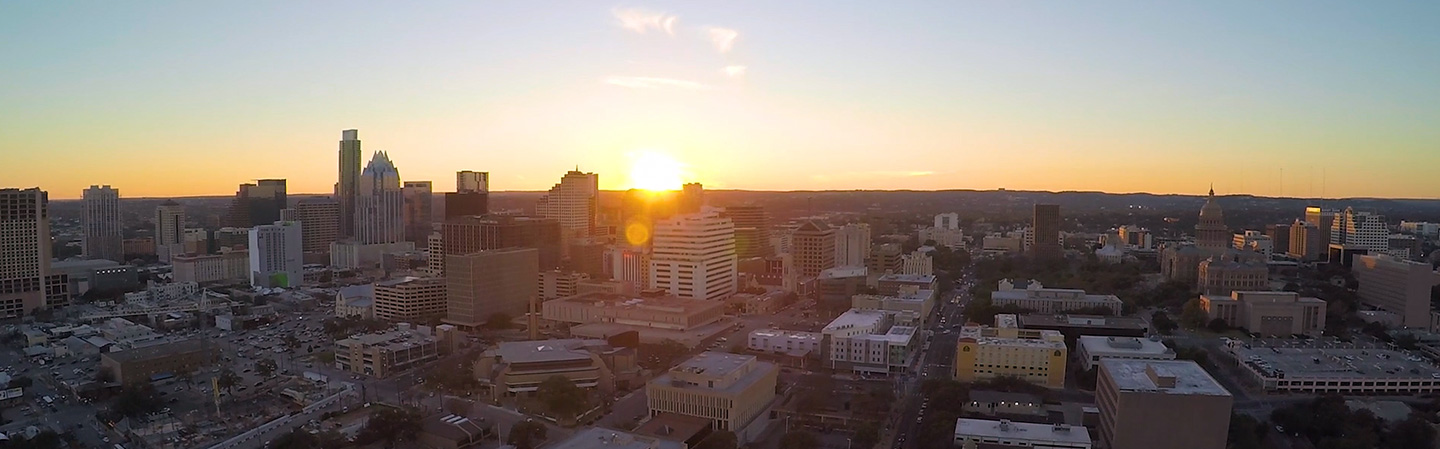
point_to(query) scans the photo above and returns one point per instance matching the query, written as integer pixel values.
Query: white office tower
(277, 255)
(380, 203)
(693, 256)
(472, 181)
(169, 230)
(573, 203)
(24, 250)
(917, 264)
(348, 184)
(949, 221)
(852, 245)
(101, 235)
(1360, 230)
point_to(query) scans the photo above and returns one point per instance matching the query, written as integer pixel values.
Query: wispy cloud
(722, 38)
(735, 71)
(647, 82)
(643, 20)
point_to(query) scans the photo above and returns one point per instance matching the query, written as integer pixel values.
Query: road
(935, 362)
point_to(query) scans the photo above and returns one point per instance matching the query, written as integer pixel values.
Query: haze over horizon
(186, 99)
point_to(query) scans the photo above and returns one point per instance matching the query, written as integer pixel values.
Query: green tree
(799, 440)
(526, 434)
(562, 397)
(1162, 322)
(43, 440)
(227, 379)
(1193, 314)
(104, 375)
(719, 439)
(265, 367)
(21, 382)
(661, 356)
(389, 425)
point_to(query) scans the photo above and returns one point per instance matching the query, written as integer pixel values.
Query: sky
(1293, 98)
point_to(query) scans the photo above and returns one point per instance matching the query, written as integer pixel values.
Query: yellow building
(984, 352)
(732, 391)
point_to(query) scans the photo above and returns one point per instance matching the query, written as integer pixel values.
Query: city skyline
(1147, 98)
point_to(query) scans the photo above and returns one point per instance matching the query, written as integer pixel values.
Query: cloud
(735, 71)
(723, 38)
(643, 20)
(646, 82)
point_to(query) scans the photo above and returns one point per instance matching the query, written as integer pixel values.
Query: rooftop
(856, 318)
(1093, 321)
(545, 350)
(1156, 376)
(150, 352)
(1127, 345)
(843, 272)
(1012, 431)
(909, 278)
(452, 427)
(715, 364)
(1322, 363)
(785, 333)
(1002, 396)
(600, 437)
(662, 303)
(393, 339)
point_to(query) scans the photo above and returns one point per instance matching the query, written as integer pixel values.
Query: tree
(43, 440)
(526, 434)
(1193, 315)
(389, 425)
(1412, 433)
(799, 440)
(562, 397)
(265, 367)
(227, 379)
(1217, 325)
(866, 436)
(291, 342)
(498, 321)
(1246, 432)
(661, 356)
(719, 439)
(1162, 322)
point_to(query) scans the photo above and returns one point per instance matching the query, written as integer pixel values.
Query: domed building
(1213, 240)
(1211, 232)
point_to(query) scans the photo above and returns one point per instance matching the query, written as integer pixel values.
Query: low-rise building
(449, 431)
(1347, 371)
(985, 352)
(356, 301)
(992, 434)
(559, 284)
(1396, 285)
(1268, 313)
(1075, 325)
(385, 353)
(777, 341)
(1221, 275)
(892, 284)
(141, 364)
(732, 391)
(1138, 400)
(646, 311)
(517, 368)
(1001, 403)
(1092, 349)
(1031, 295)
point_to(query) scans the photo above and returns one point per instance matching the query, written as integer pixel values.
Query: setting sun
(655, 171)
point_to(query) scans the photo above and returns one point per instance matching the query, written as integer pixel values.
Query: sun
(655, 171)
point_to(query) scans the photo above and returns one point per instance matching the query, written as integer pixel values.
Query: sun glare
(655, 171)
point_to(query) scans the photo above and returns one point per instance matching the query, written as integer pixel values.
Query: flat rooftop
(843, 272)
(716, 364)
(160, 350)
(908, 278)
(1125, 345)
(1083, 321)
(545, 350)
(600, 437)
(1322, 363)
(1189, 378)
(784, 333)
(856, 318)
(1020, 431)
(663, 303)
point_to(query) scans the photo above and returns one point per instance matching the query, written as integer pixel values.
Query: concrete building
(1046, 224)
(81, 276)
(410, 299)
(1279, 235)
(914, 305)
(418, 215)
(813, 246)
(347, 186)
(893, 284)
(603, 438)
(630, 265)
(319, 227)
(852, 244)
(884, 258)
(1000, 403)
(949, 220)
(197, 241)
(1346, 371)
(355, 301)
(1421, 228)
(139, 365)
(649, 312)
(449, 431)
(867, 341)
(1396, 285)
(380, 203)
(276, 255)
(693, 256)
(517, 368)
(985, 352)
(953, 238)
(993, 434)
(1073, 326)
(257, 204)
(835, 286)
(169, 230)
(1362, 230)
(101, 230)
(732, 391)
(1212, 233)
(472, 181)
(917, 264)
(776, 341)
(1256, 241)
(1092, 349)
(1268, 313)
(24, 250)
(1033, 296)
(482, 284)
(1222, 274)
(752, 230)
(227, 266)
(385, 353)
(465, 235)
(1138, 399)
(573, 203)
(559, 284)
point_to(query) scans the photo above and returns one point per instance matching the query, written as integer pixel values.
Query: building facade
(1092, 349)
(693, 256)
(482, 284)
(987, 433)
(1362, 230)
(852, 245)
(574, 203)
(1268, 313)
(101, 232)
(418, 215)
(813, 247)
(985, 352)
(1138, 399)
(752, 230)
(380, 203)
(1220, 275)
(732, 391)
(465, 235)
(169, 230)
(386, 353)
(276, 255)
(1398, 286)
(347, 187)
(1046, 225)
(24, 250)
(410, 299)
(319, 226)
(228, 265)
(1035, 297)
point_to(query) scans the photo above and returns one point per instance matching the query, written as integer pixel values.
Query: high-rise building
(692, 198)
(813, 245)
(573, 202)
(947, 221)
(472, 181)
(1047, 231)
(24, 250)
(471, 195)
(1323, 219)
(885, 257)
(257, 204)
(917, 264)
(630, 265)
(693, 256)
(1396, 285)
(410, 299)
(554, 284)
(319, 226)
(169, 230)
(276, 255)
(1138, 399)
(752, 230)
(228, 265)
(1211, 233)
(380, 203)
(1279, 237)
(482, 284)
(418, 211)
(101, 236)
(348, 186)
(852, 245)
(465, 235)
(1360, 230)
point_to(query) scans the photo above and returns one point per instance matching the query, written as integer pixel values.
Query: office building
(1405, 246)
(1255, 241)
(139, 365)
(895, 284)
(472, 181)
(257, 204)
(97, 274)
(382, 354)
(1046, 225)
(319, 227)
(913, 305)
(139, 246)
(835, 286)
(1307, 241)
(644, 312)
(559, 284)
(469, 234)
(1268, 313)
(1072, 326)
(1396, 285)
(1033, 296)
(1137, 237)
(1279, 236)
(1220, 275)
(867, 341)
(1093, 348)
(276, 256)
(417, 216)
(630, 265)
(852, 244)
(952, 238)
(169, 230)
(410, 299)
(732, 391)
(380, 203)
(227, 266)
(482, 284)
(347, 187)
(517, 368)
(752, 230)
(466, 204)
(1000, 403)
(776, 341)
(1138, 400)
(949, 220)
(917, 264)
(574, 203)
(1423, 229)
(813, 246)
(885, 258)
(1362, 230)
(24, 250)
(196, 241)
(985, 352)
(693, 256)
(101, 232)
(989, 434)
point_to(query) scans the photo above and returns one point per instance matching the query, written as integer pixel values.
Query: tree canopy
(526, 434)
(562, 397)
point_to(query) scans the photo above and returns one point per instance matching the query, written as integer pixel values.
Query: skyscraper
(379, 203)
(752, 230)
(319, 227)
(24, 250)
(573, 203)
(1365, 230)
(418, 215)
(471, 195)
(276, 255)
(101, 236)
(852, 245)
(169, 230)
(482, 284)
(693, 256)
(1047, 231)
(465, 235)
(258, 203)
(349, 180)
(813, 246)
(472, 181)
